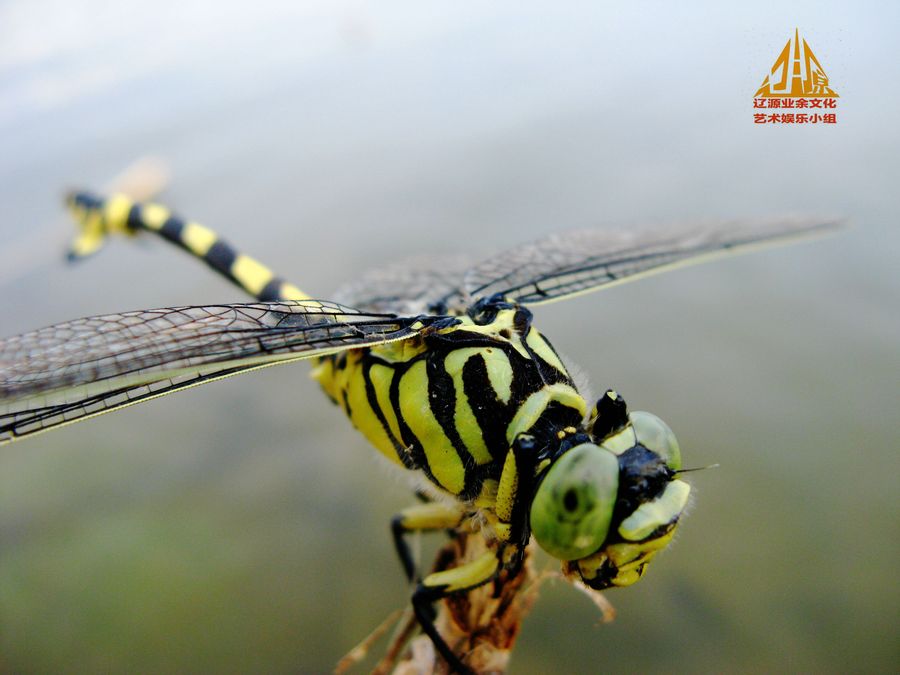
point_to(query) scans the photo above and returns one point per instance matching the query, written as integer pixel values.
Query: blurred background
(243, 527)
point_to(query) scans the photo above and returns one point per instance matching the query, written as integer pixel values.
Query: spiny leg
(99, 218)
(420, 518)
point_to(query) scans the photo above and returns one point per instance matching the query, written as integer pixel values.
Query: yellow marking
(465, 576)
(560, 435)
(154, 216)
(540, 347)
(589, 566)
(661, 511)
(626, 578)
(630, 559)
(290, 292)
(400, 351)
(502, 531)
(506, 492)
(623, 554)
(197, 238)
(534, 406)
(444, 462)
(621, 441)
(502, 322)
(115, 213)
(466, 425)
(91, 237)
(500, 374)
(488, 495)
(362, 415)
(381, 377)
(251, 274)
(336, 381)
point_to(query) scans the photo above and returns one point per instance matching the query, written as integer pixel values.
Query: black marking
(526, 452)
(398, 531)
(414, 455)
(439, 307)
(221, 257)
(522, 322)
(492, 414)
(173, 230)
(570, 500)
(442, 401)
(643, 475)
(612, 415)
(135, 219)
(372, 398)
(549, 373)
(526, 379)
(271, 291)
(485, 310)
(84, 200)
(556, 417)
(347, 404)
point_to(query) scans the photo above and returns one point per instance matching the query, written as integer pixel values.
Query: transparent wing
(414, 286)
(571, 263)
(78, 369)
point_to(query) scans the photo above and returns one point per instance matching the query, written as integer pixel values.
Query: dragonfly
(436, 361)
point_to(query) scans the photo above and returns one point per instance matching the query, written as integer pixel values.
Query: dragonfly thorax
(451, 401)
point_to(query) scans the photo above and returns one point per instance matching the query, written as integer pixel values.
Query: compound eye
(655, 435)
(573, 506)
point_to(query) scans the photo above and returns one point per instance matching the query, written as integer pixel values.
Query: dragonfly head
(606, 507)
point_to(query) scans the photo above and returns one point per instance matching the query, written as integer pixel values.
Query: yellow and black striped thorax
(450, 401)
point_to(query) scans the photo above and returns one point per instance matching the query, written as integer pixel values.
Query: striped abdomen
(450, 403)
(119, 214)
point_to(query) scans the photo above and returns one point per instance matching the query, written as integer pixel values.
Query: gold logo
(797, 80)
(797, 72)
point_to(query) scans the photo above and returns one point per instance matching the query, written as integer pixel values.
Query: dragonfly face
(605, 507)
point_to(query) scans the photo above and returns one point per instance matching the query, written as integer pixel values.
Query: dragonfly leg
(439, 585)
(418, 518)
(99, 218)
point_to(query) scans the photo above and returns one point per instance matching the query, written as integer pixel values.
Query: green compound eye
(573, 506)
(655, 435)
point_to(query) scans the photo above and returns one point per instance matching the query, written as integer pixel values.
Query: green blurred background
(242, 527)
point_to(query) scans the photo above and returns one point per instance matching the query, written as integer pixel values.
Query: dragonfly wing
(419, 285)
(580, 261)
(82, 368)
